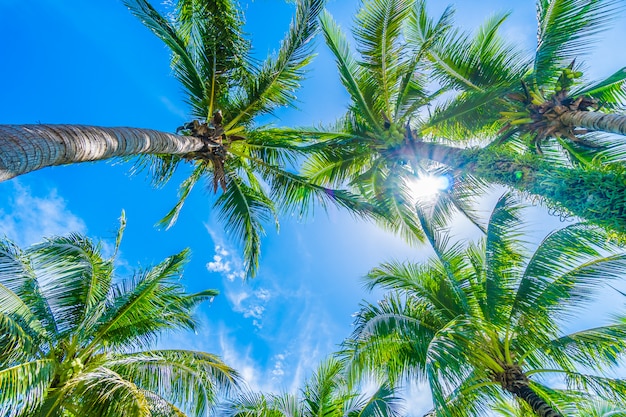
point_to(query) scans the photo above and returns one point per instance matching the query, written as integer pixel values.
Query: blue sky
(91, 62)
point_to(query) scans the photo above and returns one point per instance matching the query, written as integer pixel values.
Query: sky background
(91, 62)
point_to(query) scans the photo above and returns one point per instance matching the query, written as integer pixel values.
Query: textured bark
(595, 121)
(595, 195)
(25, 148)
(538, 404)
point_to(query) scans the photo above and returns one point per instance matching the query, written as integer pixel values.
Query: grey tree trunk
(596, 121)
(26, 148)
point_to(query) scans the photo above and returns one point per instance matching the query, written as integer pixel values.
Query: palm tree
(226, 90)
(75, 340)
(388, 138)
(326, 393)
(538, 102)
(482, 323)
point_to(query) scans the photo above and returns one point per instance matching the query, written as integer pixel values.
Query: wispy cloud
(28, 218)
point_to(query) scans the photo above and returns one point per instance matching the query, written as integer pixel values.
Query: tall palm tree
(388, 138)
(482, 323)
(75, 340)
(326, 393)
(533, 102)
(226, 90)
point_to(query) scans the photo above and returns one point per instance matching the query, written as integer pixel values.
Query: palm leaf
(279, 76)
(131, 316)
(567, 29)
(610, 92)
(244, 209)
(183, 65)
(378, 27)
(349, 71)
(190, 380)
(23, 386)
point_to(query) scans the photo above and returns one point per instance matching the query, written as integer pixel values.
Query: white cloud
(28, 218)
(278, 371)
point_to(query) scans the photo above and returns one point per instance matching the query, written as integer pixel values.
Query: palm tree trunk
(596, 121)
(25, 148)
(538, 404)
(597, 196)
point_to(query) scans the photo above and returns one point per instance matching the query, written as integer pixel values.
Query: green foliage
(227, 90)
(325, 393)
(71, 334)
(473, 317)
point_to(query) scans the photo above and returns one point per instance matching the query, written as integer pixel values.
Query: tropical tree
(76, 341)
(482, 322)
(390, 135)
(226, 89)
(326, 393)
(539, 102)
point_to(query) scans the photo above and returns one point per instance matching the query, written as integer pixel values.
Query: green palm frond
(378, 27)
(503, 255)
(476, 62)
(244, 209)
(183, 65)
(383, 403)
(349, 70)
(185, 188)
(20, 291)
(161, 408)
(610, 92)
(564, 271)
(138, 310)
(105, 393)
(72, 276)
(280, 75)
(214, 39)
(190, 380)
(592, 348)
(567, 29)
(467, 116)
(23, 386)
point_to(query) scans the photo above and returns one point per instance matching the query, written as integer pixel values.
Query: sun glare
(428, 186)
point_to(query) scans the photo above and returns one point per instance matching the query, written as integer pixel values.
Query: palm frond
(140, 309)
(105, 393)
(502, 255)
(73, 278)
(567, 29)
(349, 70)
(183, 65)
(610, 92)
(378, 27)
(565, 270)
(191, 380)
(20, 290)
(23, 386)
(280, 75)
(245, 209)
(185, 188)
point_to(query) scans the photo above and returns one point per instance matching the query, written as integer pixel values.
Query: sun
(428, 186)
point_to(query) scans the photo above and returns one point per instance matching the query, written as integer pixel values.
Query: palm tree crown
(74, 339)
(537, 103)
(483, 322)
(326, 393)
(400, 125)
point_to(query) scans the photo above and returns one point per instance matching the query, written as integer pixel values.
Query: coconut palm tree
(387, 138)
(226, 89)
(482, 323)
(76, 341)
(539, 102)
(326, 393)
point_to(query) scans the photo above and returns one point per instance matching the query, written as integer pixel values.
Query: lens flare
(428, 186)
